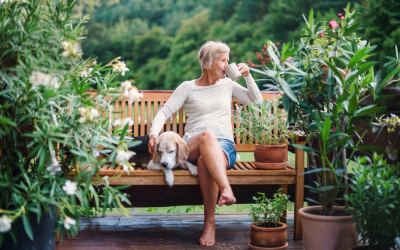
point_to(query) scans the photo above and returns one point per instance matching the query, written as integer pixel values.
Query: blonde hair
(210, 51)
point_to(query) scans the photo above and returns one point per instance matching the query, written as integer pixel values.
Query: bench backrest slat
(143, 111)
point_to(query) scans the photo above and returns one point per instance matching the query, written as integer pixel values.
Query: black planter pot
(43, 233)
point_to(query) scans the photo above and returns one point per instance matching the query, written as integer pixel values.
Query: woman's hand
(243, 69)
(152, 140)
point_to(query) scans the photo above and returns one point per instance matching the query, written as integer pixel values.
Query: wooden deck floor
(165, 231)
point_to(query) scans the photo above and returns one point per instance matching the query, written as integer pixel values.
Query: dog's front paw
(169, 177)
(192, 168)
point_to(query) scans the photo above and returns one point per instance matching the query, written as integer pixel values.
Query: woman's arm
(174, 103)
(245, 96)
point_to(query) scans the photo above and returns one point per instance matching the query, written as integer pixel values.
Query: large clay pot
(268, 236)
(327, 232)
(271, 156)
(43, 232)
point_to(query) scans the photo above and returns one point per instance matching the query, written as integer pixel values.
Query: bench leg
(299, 192)
(283, 191)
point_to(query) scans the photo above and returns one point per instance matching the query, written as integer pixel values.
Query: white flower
(127, 84)
(54, 167)
(55, 83)
(68, 222)
(65, 54)
(65, 45)
(86, 73)
(105, 178)
(77, 50)
(70, 187)
(117, 123)
(82, 120)
(125, 167)
(82, 111)
(94, 113)
(37, 78)
(123, 156)
(5, 224)
(120, 67)
(133, 94)
(237, 157)
(128, 121)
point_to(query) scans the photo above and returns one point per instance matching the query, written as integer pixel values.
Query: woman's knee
(207, 137)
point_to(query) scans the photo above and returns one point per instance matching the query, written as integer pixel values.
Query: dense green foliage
(381, 20)
(375, 199)
(49, 124)
(159, 39)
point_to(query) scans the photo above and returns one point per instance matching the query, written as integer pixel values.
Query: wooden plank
(161, 105)
(149, 116)
(123, 110)
(130, 115)
(193, 180)
(142, 117)
(181, 122)
(136, 118)
(299, 191)
(241, 166)
(174, 123)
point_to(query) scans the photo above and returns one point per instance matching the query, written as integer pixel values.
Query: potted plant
(376, 202)
(50, 124)
(327, 107)
(266, 124)
(267, 232)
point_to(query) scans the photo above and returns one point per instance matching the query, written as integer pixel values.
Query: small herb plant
(263, 122)
(375, 199)
(267, 212)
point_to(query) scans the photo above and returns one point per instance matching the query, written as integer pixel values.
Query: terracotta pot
(268, 236)
(327, 232)
(271, 156)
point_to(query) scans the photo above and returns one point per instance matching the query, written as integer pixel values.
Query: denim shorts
(229, 149)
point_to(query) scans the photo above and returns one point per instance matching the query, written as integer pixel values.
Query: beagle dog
(169, 152)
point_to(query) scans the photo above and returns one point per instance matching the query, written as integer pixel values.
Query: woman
(208, 130)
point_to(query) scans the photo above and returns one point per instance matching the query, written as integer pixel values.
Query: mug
(232, 71)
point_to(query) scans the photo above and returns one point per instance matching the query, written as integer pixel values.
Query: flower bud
(265, 47)
(322, 34)
(341, 18)
(340, 15)
(277, 44)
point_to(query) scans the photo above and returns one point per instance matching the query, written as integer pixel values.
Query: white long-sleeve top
(207, 108)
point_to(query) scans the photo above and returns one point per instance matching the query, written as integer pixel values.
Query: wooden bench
(149, 188)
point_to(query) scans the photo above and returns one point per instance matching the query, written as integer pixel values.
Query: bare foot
(208, 236)
(227, 198)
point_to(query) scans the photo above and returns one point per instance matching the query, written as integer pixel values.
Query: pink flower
(334, 129)
(322, 34)
(342, 18)
(340, 15)
(289, 59)
(333, 24)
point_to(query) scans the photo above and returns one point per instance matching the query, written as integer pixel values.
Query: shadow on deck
(165, 231)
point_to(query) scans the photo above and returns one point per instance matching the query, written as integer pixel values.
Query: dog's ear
(156, 154)
(183, 151)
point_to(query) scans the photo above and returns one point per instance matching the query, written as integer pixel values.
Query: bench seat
(243, 173)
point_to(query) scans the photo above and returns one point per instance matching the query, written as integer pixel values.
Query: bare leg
(207, 145)
(211, 167)
(209, 191)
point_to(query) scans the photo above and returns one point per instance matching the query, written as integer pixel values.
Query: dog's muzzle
(164, 164)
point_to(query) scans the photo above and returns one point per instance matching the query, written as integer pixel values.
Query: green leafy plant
(375, 199)
(326, 103)
(267, 212)
(50, 124)
(264, 122)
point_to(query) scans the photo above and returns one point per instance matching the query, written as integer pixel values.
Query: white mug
(232, 71)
